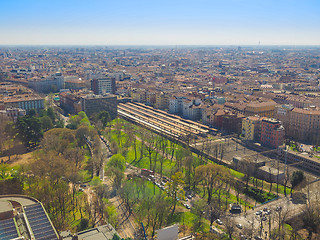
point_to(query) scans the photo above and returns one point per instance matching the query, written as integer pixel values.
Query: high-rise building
(101, 86)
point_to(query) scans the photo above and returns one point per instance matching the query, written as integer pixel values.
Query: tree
(158, 212)
(50, 113)
(117, 161)
(296, 179)
(46, 123)
(84, 224)
(175, 190)
(80, 119)
(212, 177)
(230, 226)
(4, 137)
(116, 176)
(4, 170)
(29, 129)
(198, 210)
(104, 117)
(58, 140)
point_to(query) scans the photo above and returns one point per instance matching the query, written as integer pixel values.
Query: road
(127, 226)
(265, 222)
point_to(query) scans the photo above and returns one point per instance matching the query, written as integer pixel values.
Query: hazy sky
(166, 22)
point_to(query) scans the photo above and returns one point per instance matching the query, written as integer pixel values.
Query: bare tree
(230, 226)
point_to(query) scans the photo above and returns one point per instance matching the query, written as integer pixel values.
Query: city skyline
(231, 22)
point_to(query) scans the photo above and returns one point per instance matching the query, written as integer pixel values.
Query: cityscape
(178, 120)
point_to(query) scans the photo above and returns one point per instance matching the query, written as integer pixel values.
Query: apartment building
(272, 133)
(162, 101)
(176, 104)
(191, 109)
(138, 95)
(304, 125)
(263, 109)
(251, 128)
(26, 102)
(12, 113)
(51, 83)
(95, 103)
(101, 86)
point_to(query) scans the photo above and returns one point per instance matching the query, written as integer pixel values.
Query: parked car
(239, 226)
(219, 222)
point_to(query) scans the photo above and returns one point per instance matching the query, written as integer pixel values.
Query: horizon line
(162, 45)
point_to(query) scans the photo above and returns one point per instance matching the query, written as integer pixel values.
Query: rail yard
(163, 122)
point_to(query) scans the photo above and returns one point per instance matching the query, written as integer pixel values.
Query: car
(265, 209)
(268, 212)
(243, 237)
(239, 226)
(219, 222)
(264, 218)
(187, 206)
(189, 196)
(259, 212)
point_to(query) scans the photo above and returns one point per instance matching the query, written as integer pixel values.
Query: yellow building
(251, 128)
(162, 101)
(263, 109)
(138, 96)
(150, 98)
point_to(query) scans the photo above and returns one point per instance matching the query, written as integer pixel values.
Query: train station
(163, 122)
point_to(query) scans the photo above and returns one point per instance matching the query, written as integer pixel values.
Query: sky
(165, 22)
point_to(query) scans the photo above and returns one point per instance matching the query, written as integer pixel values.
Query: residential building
(251, 128)
(150, 98)
(138, 95)
(70, 101)
(232, 122)
(12, 113)
(53, 83)
(176, 104)
(162, 101)
(74, 83)
(263, 109)
(304, 125)
(272, 133)
(95, 103)
(192, 109)
(101, 86)
(26, 102)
